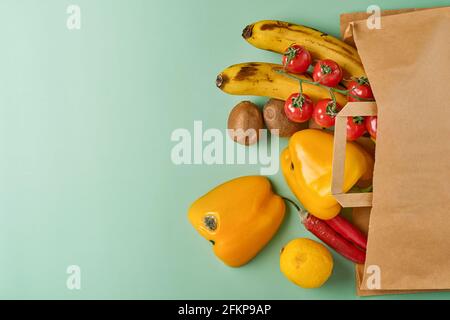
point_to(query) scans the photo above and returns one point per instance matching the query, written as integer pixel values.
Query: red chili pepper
(325, 233)
(348, 231)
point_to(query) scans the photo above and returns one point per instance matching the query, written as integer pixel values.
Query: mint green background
(85, 170)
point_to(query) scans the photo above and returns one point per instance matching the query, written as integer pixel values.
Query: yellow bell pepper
(239, 217)
(307, 168)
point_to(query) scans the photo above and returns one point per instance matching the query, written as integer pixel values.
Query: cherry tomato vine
(332, 90)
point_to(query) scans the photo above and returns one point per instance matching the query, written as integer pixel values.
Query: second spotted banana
(264, 79)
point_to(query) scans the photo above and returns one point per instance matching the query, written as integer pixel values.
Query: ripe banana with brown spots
(277, 36)
(264, 79)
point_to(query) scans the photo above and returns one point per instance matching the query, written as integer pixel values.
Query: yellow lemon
(306, 263)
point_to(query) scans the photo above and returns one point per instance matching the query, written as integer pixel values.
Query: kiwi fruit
(245, 121)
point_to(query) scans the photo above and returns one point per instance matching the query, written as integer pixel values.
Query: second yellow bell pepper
(307, 168)
(238, 217)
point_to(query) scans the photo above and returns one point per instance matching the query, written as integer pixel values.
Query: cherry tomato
(296, 59)
(355, 128)
(327, 72)
(371, 126)
(299, 108)
(360, 88)
(325, 113)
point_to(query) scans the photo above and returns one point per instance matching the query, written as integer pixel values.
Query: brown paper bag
(360, 202)
(361, 215)
(406, 62)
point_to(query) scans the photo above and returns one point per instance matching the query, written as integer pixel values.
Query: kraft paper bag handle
(348, 200)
